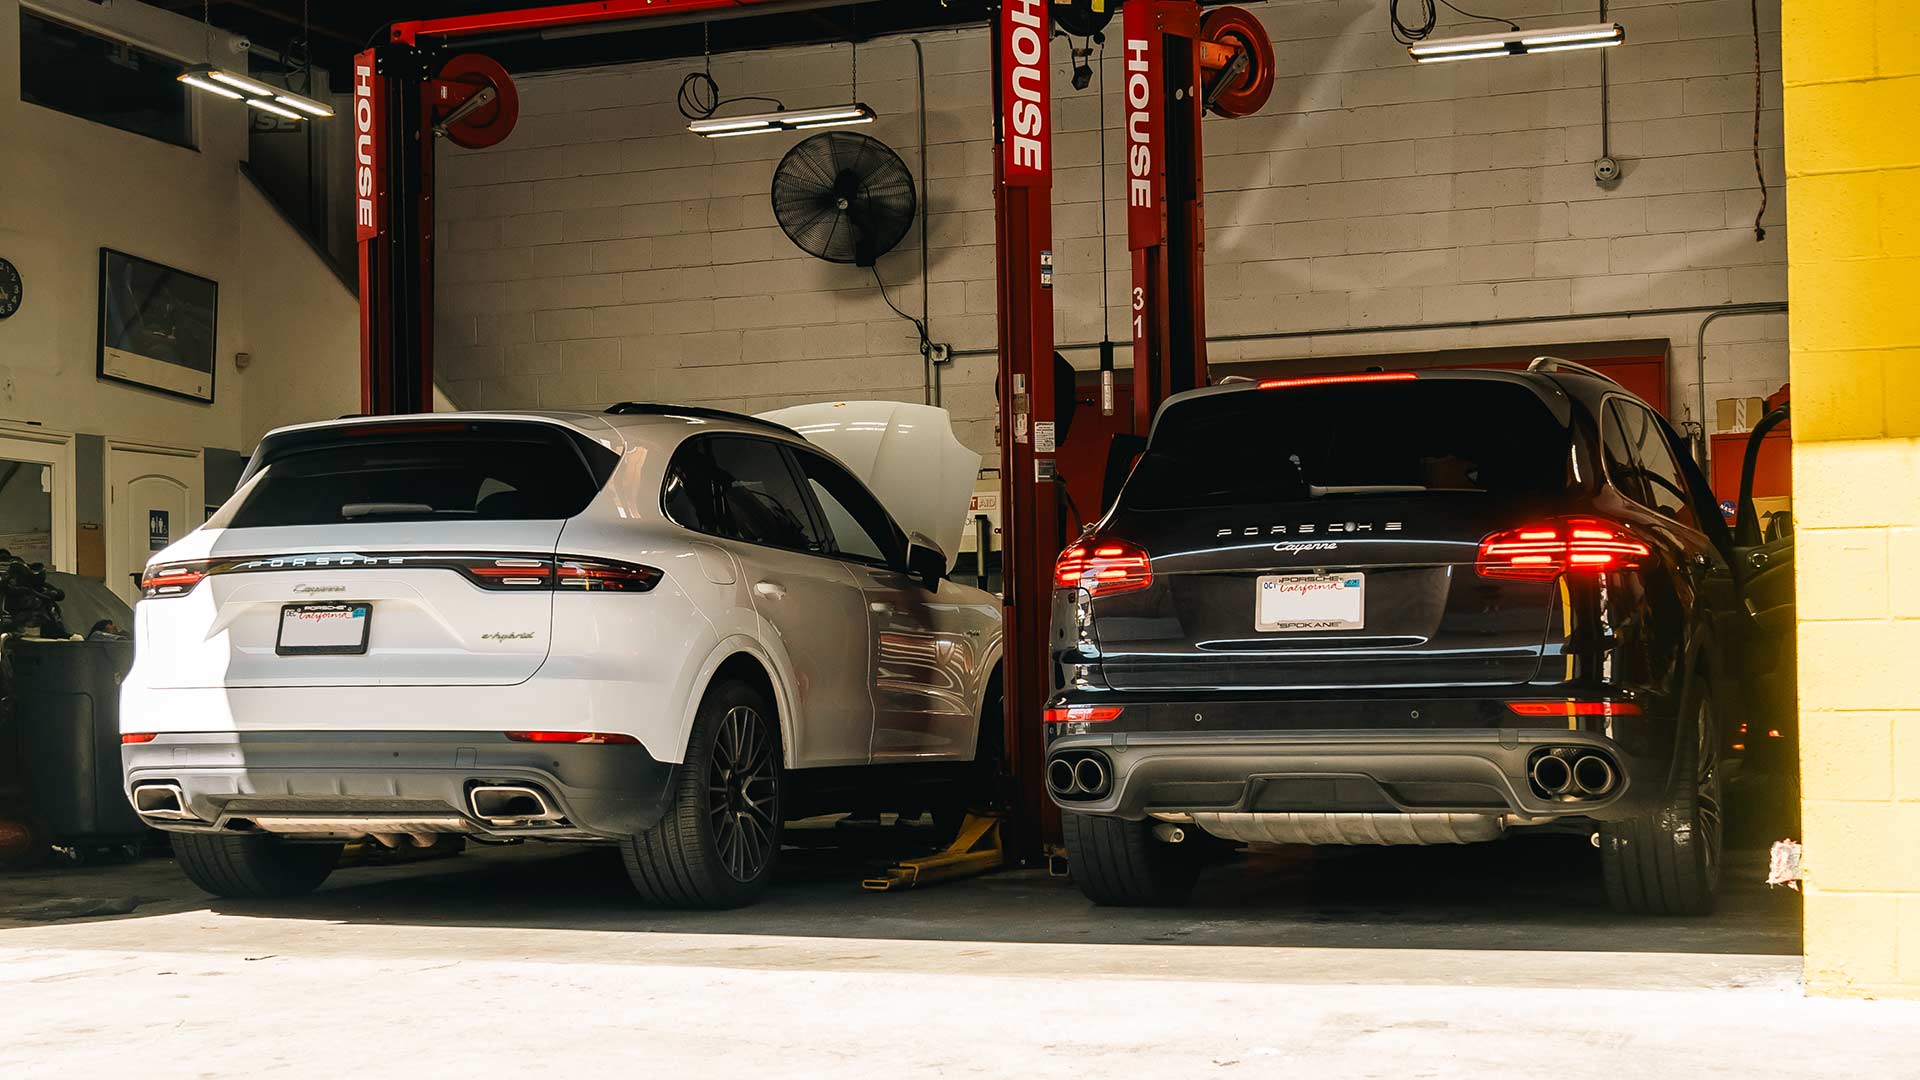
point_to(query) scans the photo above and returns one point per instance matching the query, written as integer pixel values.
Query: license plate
(1294, 602)
(324, 629)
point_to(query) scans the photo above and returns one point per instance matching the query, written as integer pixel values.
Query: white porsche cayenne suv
(669, 628)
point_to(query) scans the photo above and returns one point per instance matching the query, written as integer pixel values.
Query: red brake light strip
(1328, 380)
(1573, 708)
(596, 738)
(1094, 714)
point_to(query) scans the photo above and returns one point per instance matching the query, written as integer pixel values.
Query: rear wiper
(384, 509)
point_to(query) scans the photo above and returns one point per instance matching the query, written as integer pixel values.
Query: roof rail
(1548, 364)
(656, 408)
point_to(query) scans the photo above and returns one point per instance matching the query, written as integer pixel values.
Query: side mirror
(926, 561)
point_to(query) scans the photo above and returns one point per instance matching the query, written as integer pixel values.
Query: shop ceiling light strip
(720, 127)
(236, 87)
(1518, 43)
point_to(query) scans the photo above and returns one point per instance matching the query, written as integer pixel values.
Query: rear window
(471, 471)
(1298, 444)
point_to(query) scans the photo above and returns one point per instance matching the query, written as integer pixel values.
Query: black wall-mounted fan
(843, 197)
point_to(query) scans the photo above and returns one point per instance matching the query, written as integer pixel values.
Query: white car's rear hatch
(394, 552)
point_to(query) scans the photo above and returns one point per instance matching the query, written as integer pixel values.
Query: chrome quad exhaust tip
(1079, 775)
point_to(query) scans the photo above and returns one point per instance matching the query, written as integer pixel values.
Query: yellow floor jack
(976, 850)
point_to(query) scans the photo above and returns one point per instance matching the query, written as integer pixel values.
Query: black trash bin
(66, 728)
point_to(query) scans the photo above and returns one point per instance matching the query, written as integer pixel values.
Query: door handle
(772, 590)
(880, 607)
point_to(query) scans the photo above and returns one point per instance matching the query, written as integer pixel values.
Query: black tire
(1120, 863)
(1668, 863)
(253, 866)
(704, 855)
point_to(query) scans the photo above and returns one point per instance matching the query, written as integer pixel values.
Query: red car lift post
(1029, 520)
(1178, 64)
(1165, 233)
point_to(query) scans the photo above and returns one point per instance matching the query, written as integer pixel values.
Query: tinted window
(860, 528)
(103, 80)
(450, 471)
(1622, 469)
(740, 488)
(1439, 437)
(1666, 489)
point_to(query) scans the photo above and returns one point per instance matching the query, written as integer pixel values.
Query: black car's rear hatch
(1326, 536)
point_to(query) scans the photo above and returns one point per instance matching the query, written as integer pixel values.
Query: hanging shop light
(716, 127)
(268, 99)
(700, 99)
(1518, 43)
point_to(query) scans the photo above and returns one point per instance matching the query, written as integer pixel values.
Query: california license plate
(1294, 602)
(324, 629)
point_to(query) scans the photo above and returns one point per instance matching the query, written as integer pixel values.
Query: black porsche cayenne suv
(1400, 608)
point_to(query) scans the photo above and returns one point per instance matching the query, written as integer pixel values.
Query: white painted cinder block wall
(69, 187)
(602, 253)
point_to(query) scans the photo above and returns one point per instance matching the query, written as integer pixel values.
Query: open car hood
(907, 454)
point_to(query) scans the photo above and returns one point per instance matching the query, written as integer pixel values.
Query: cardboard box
(1738, 413)
(1779, 504)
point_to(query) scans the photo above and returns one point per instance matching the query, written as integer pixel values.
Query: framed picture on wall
(157, 326)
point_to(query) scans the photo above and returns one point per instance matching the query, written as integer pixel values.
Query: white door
(155, 495)
(36, 497)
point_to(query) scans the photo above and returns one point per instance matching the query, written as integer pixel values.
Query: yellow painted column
(1852, 74)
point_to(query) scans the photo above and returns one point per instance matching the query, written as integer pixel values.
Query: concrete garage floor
(1392, 963)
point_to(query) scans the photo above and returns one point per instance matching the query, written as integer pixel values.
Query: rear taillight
(171, 579)
(1545, 551)
(134, 738)
(595, 738)
(1083, 714)
(1104, 567)
(1573, 708)
(604, 575)
(567, 572)
(506, 574)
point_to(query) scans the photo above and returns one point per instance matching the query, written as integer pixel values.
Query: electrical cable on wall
(1406, 33)
(926, 342)
(1759, 104)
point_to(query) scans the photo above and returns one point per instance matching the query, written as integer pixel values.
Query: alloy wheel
(742, 793)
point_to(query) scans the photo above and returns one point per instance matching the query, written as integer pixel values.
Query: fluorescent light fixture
(833, 123)
(717, 127)
(1518, 43)
(212, 88)
(235, 87)
(720, 127)
(241, 83)
(269, 107)
(304, 104)
(1447, 58)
